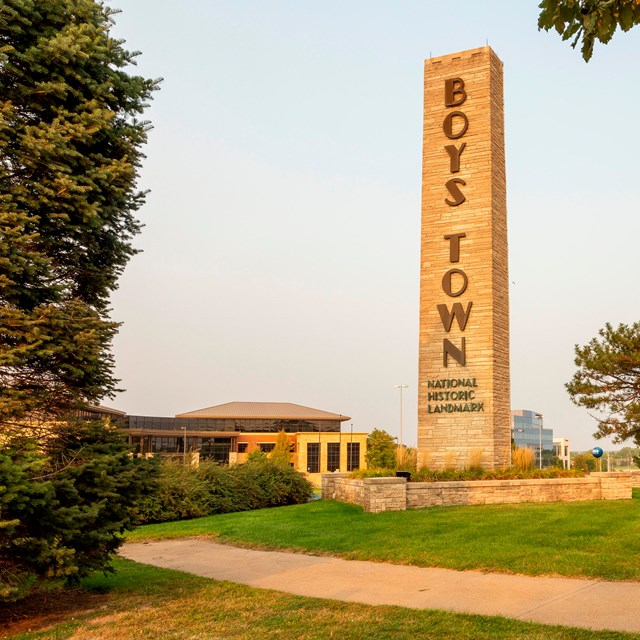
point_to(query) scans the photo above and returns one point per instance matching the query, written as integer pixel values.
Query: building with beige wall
(562, 450)
(464, 385)
(230, 432)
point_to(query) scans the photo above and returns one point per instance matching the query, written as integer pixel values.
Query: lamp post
(401, 387)
(319, 446)
(350, 452)
(539, 416)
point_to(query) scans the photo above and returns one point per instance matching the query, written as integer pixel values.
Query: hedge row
(191, 492)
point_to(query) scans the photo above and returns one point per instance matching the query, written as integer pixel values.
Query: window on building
(242, 447)
(165, 445)
(267, 446)
(333, 456)
(216, 449)
(313, 457)
(353, 456)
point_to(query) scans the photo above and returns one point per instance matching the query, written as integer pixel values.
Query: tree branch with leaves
(586, 21)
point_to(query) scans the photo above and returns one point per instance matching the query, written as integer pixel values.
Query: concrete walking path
(563, 601)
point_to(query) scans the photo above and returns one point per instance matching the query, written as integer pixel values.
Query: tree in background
(589, 20)
(281, 453)
(70, 150)
(586, 462)
(258, 456)
(583, 462)
(608, 381)
(381, 450)
(625, 457)
(549, 459)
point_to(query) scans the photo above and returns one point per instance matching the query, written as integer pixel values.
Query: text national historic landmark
(463, 394)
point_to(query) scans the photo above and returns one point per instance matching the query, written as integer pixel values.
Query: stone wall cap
(500, 483)
(612, 474)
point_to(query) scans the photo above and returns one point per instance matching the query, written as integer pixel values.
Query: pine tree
(608, 381)
(70, 150)
(66, 503)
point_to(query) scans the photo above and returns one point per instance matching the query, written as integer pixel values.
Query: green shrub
(278, 485)
(179, 494)
(257, 455)
(381, 449)
(473, 473)
(511, 473)
(64, 503)
(191, 492)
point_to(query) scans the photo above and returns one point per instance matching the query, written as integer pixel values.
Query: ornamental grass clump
(523, 458)
(523, 467)
(473, 473)
(406, 459)
(474, 460)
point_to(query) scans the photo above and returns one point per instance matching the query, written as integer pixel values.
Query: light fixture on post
(350, 465)
(184, 444)
(401, 387)
(539, 417)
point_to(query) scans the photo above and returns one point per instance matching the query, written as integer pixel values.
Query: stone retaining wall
(375, 495)
(635, 478)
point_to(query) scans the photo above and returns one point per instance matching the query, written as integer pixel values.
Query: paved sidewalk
(564, 601)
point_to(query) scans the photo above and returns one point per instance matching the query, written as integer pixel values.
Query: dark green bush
(179, 493)
(186, 491)
(272, 485)
(64, 503)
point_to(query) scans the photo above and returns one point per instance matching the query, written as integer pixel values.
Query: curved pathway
(565, 601)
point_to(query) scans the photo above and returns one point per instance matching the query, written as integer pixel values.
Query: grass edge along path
(596, 539)
(142, 602)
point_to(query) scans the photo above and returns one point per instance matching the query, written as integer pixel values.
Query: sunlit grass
(596, 539)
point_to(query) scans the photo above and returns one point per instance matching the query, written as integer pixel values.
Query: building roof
(264, 411)
(101, 408)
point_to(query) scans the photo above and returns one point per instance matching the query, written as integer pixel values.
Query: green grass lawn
(598, 539)
(142, 602)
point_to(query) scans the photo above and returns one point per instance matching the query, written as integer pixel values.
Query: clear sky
(281, 249)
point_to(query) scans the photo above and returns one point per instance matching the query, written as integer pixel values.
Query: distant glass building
(527, 430)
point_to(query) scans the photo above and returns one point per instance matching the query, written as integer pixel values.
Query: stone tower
(463, 392)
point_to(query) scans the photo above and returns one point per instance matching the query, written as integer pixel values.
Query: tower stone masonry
(464, 385)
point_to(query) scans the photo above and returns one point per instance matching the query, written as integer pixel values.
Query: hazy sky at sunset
(281, 249)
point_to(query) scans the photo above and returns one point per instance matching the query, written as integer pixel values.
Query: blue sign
(597, 452)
